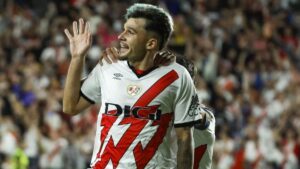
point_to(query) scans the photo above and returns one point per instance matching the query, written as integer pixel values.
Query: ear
(152, 44)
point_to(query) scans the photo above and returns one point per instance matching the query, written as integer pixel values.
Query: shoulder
(106, 66)
(96, 69)
(183, 77)
(181, 70)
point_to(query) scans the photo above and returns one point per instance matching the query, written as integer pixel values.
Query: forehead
(135, 23)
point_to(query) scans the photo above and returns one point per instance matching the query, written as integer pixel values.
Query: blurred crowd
(247, 55)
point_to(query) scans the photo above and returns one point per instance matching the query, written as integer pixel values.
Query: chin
(124, 54)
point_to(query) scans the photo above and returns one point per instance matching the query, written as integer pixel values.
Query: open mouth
(123, 48)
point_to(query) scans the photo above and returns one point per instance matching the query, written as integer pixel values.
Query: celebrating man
(146, 111)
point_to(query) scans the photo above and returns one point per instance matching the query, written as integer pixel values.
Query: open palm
(80, 42)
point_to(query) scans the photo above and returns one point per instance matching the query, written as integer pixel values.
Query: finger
(110, 54)
(68, 34)
(107, 57)
(158, 58)
(168, 52)
(87, 27)
(75, 29)
(170, 56)
(173, 59)
(88, 34)
(115, 54)
(167, 58)
(161, 57)
(165, 54)
(81, 24)
(86, 31)
(104, 56)
(165, 62)
(170, 59)
(89, 39)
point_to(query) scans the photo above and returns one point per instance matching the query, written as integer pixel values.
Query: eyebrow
(129, 27)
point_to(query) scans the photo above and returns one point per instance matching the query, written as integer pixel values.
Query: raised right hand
(80, 42)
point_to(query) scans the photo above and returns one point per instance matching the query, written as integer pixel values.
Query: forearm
(72, 85)
(185, 154)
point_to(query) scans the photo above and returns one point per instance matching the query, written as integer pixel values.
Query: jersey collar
(138, 73)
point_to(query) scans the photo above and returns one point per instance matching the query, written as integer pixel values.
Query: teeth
(123, 46)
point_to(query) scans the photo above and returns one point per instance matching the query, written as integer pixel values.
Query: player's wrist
(78, 58)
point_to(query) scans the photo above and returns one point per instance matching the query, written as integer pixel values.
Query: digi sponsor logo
(140, 112)
(133, 90)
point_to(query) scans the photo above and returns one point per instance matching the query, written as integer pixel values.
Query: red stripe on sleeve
(198, 153)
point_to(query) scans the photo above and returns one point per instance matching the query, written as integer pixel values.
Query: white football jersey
(135, 126)
(204, 141)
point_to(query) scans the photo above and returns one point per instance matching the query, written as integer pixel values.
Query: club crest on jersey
(133, 90)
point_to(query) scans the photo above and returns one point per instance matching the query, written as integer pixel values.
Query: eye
(130, 32)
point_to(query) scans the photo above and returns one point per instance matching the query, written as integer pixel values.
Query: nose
(121, 36)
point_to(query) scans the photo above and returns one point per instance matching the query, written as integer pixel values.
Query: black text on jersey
(147, 112)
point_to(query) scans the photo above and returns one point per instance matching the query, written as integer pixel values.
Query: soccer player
(204, 132)
(147, 112)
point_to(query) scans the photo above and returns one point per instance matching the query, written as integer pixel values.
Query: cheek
(141, 43)
(137, 45)
(139, 48)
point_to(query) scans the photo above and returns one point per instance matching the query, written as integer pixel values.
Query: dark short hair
(157, 20)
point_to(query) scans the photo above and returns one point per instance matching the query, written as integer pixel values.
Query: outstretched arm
(80, 42)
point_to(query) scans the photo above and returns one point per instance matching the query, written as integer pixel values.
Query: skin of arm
(80, 42)
(185, 154)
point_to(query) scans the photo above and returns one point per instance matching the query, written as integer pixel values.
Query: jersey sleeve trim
(86, 98)
(187, 124)
(203, 126)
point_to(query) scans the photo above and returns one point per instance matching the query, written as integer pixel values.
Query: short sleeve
(186, 103)
(90, 88)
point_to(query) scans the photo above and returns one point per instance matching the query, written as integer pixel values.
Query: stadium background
(247, 53)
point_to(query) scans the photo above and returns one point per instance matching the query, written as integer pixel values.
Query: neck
(146, 63)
